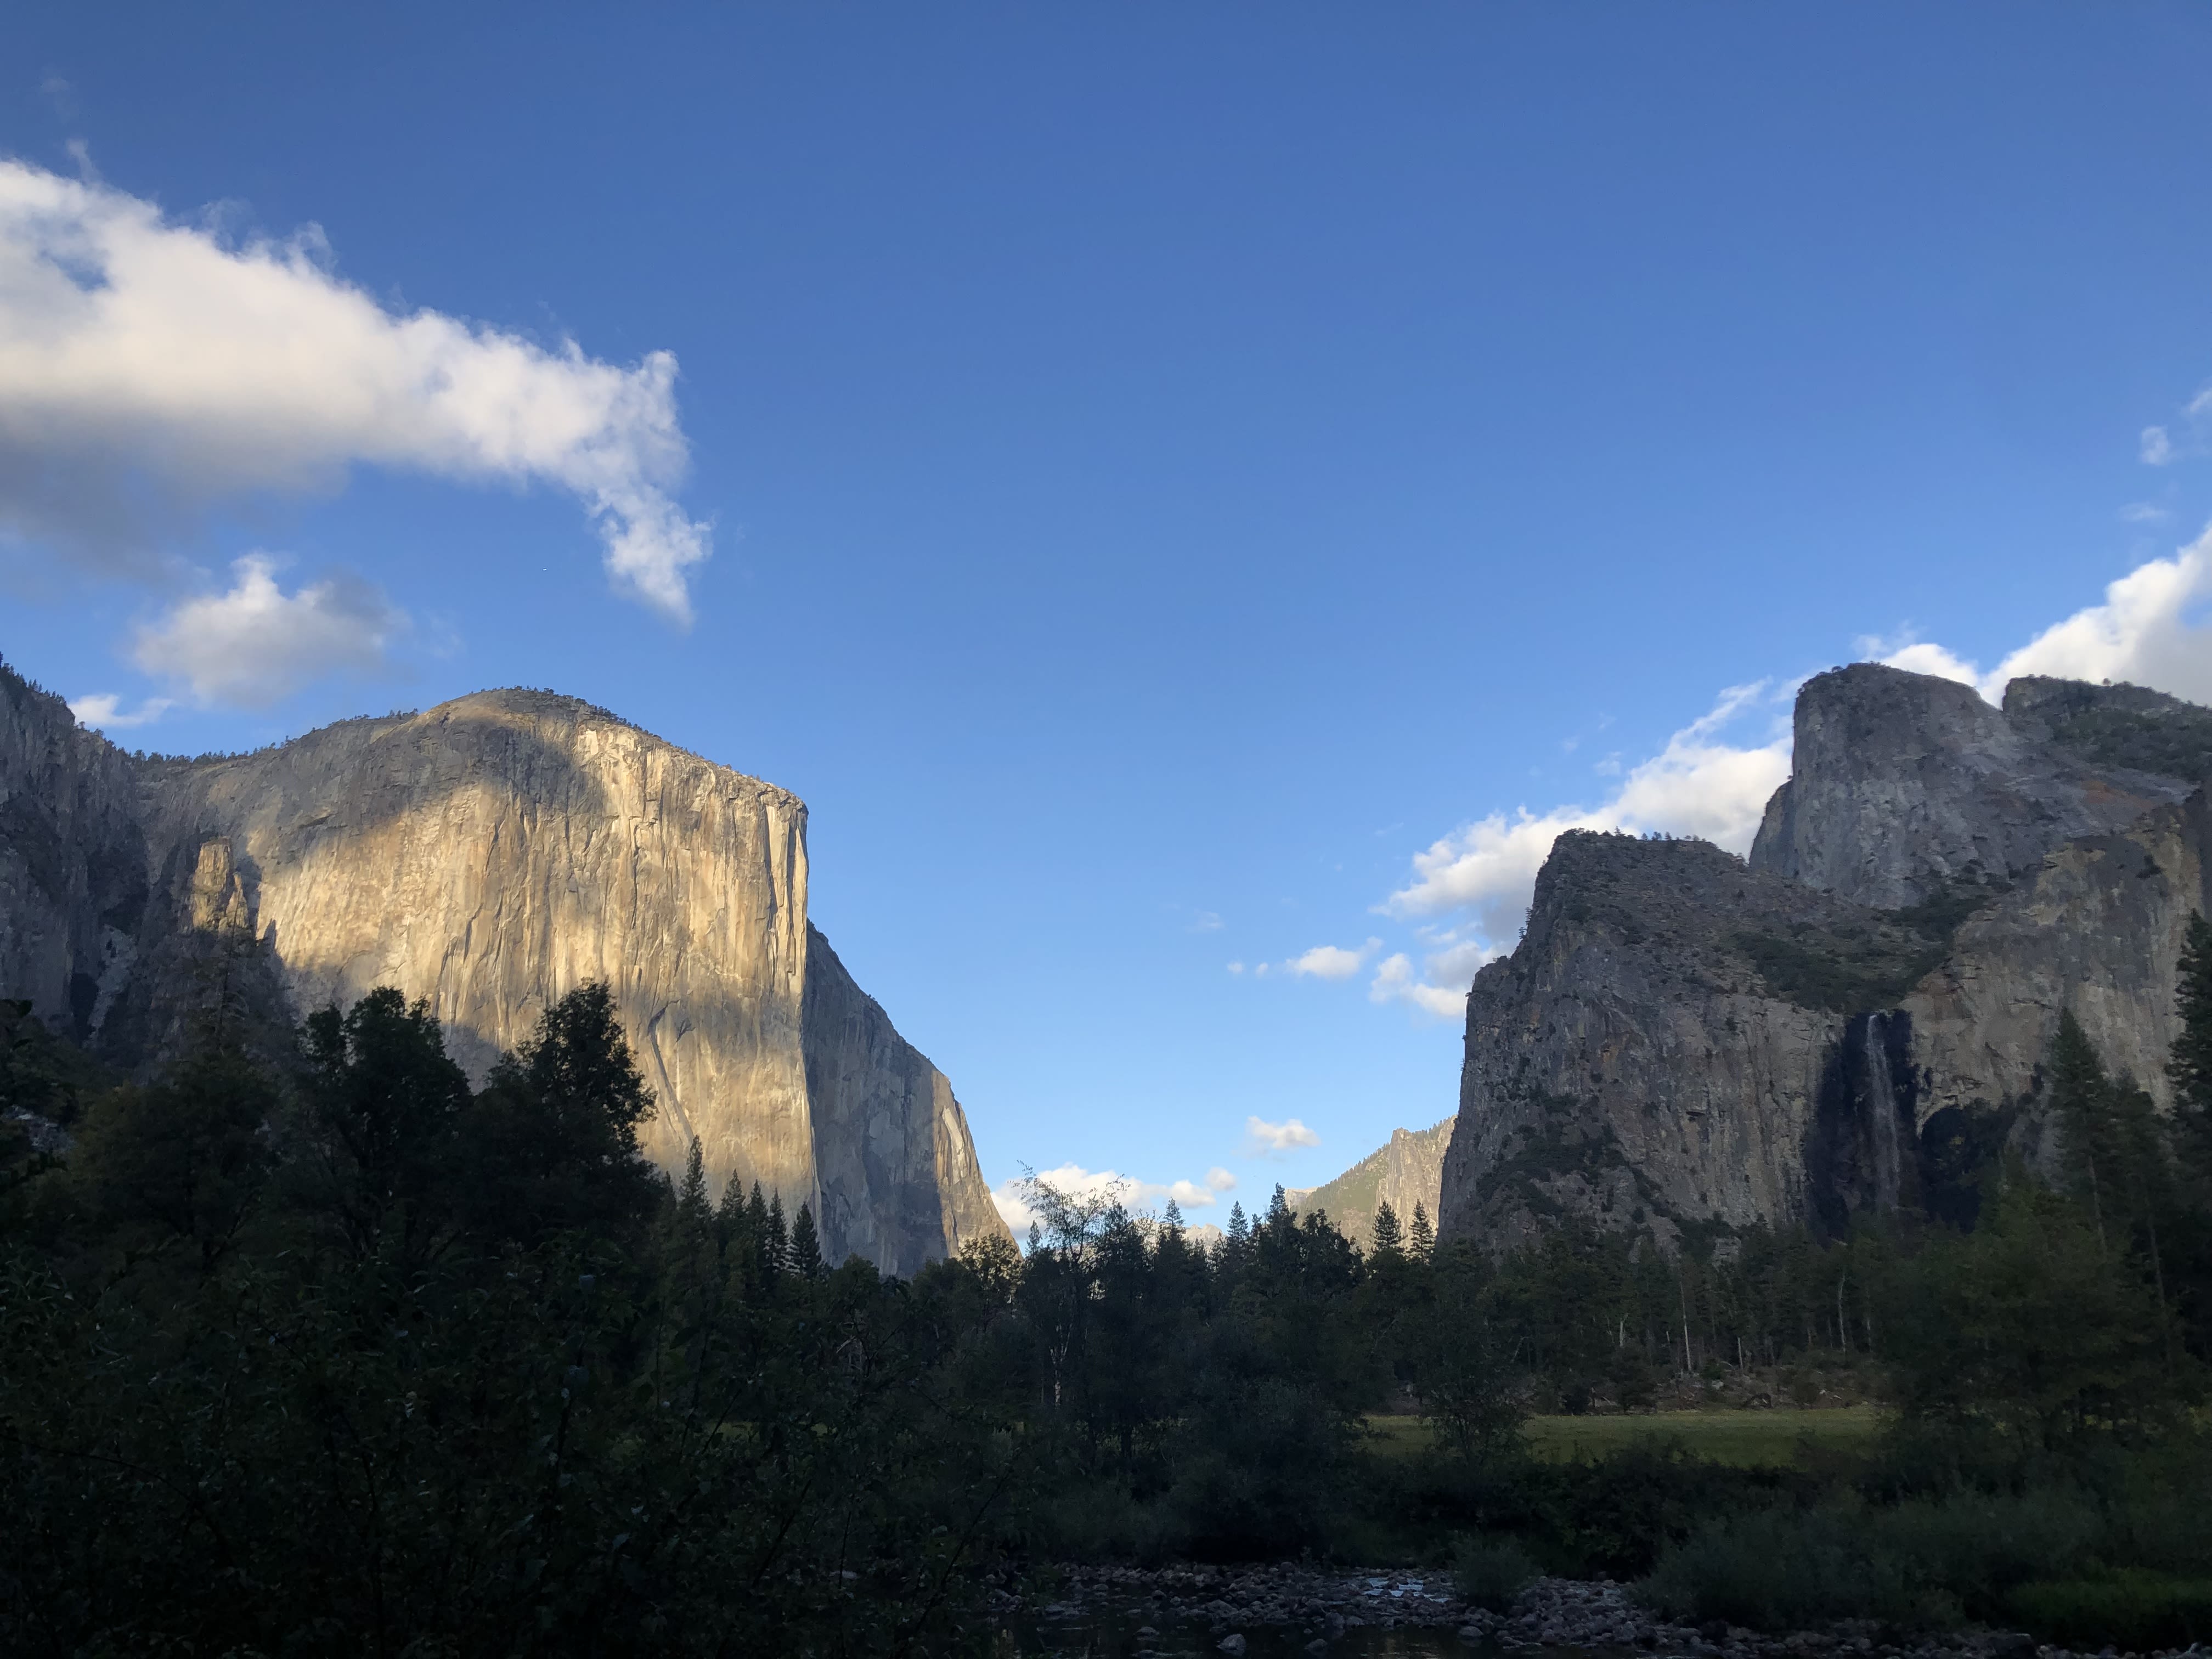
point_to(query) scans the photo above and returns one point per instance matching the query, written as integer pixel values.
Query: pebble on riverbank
(1551, 1612)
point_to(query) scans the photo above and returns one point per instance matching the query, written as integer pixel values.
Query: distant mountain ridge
(1855, 1017)
(1406, 1170)
(490, 854)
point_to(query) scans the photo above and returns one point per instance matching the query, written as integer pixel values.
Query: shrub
(2132, 1610)
(1491, 1574)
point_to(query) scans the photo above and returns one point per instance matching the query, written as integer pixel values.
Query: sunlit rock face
(1856, 1017)
(489, 855)
(1406, 1170)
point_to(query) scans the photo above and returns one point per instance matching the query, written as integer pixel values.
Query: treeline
(341, 1355)
(331, 1351)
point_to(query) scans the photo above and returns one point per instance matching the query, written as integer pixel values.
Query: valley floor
(1776, 1437)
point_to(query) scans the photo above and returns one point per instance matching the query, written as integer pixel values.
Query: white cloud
(255, 645)
(148, 369)
(1012, 1198)
(2156, 448)
(1395, 982)
(1236, 967)
(2143, 512)
(104, 710)
(1264, 1139)
(1697, 785)
(1332, 961)
(2154, 628)
(1205, 923)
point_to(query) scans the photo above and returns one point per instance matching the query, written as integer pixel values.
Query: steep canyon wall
(491, 855)
(1855, 1016)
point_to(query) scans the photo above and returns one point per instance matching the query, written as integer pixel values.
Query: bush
(1491, 1574)
(1920, 1564)
(2131, 1610)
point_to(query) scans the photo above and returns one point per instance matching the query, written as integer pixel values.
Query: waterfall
(1881, 1112)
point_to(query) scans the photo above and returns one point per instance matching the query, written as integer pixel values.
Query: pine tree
(1387, 1237)
(1171, 1218)
(1239, 1228)
(775, 1241)
(806, 1256)
(1424, 1236)
(730, 1216)
(691, 1207)
(2190, 1068)
(2081, 1103)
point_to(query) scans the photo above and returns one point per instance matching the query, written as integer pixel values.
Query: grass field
(1748, 1439)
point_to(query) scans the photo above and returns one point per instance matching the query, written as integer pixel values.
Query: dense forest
(325, 1351)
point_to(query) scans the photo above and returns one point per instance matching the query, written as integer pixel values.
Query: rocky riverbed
(1285, 1607)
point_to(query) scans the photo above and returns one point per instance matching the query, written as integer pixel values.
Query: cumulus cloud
(148, 368)
(2154, 628)
(104, 711)
(1265, 1139)
(1698, 785)
(254, 645)
(1012, 1198)
(1332, 961)
(1448, 967)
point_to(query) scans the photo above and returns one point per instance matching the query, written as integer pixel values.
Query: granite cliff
(1855, 1016)
(489, 854)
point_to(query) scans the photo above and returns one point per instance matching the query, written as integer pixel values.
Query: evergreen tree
(1387, 1235)
(1424, 1236)
(2081, 1104)
(691, 1192)
(1239, 1228)
(730, 1214)
(2190, 1067)
(182, 1161)
(382, 1103)
(775, 1239)
(553, 1134)
(806, 1256)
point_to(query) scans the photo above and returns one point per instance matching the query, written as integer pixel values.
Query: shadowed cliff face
(489, 855)
(1853, 1018)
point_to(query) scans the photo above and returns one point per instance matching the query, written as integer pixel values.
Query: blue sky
(1166, 476)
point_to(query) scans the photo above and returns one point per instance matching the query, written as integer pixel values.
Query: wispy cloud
(1205, 922)
(1264, 1139)
(150, 368)
(1698, 785)
(2156, 446)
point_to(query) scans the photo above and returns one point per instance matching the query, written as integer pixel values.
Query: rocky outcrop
(1903, 786)
(489, 856)
(1406, 1171)
(898, 1174)
(1855, 1017)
